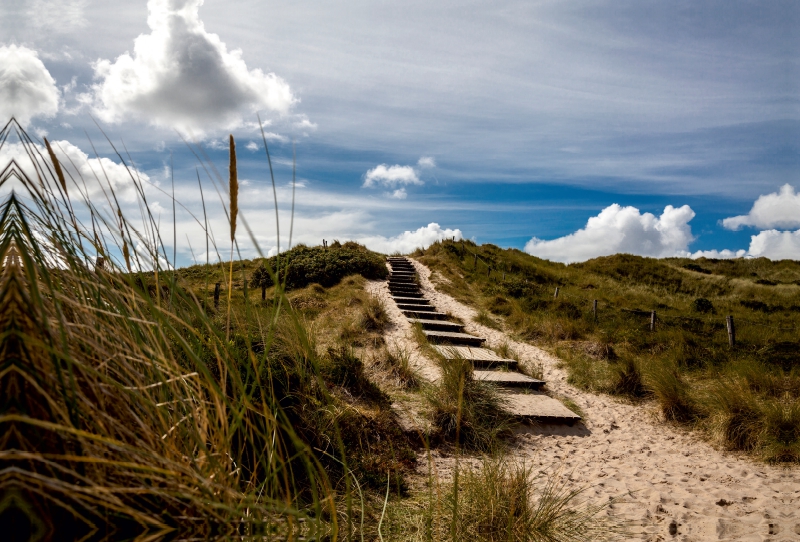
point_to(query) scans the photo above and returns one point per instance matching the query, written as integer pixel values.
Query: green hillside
(744, 397)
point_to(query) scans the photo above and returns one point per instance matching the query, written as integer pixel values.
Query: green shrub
(702, 305)
(304, 265)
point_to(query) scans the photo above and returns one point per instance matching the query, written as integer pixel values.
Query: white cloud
(426, 162)
(776, 210)
(620, 229)
(408, 241)
(720, 254)
(772, 244)
(400, 193)
(776, 245)
(184, 77)
(391, 176)
(84, 176)
(96, 174)
(27, 89)
(252, 146)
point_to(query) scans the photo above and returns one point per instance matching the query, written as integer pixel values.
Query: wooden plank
(437, 325)
(539, 407)
(424, 314)
(416, 308)
(472, 354)
(410, 300)
(508, 379)
(453, 338)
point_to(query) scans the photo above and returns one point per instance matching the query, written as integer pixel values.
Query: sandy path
(669, 484)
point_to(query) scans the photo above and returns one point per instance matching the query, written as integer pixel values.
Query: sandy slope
(668, 484)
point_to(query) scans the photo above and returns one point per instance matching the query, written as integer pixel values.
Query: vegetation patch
(654, 329)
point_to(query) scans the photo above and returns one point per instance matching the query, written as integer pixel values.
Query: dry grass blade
(56, 166)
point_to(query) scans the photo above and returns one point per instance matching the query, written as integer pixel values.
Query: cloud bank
(620, 229)
(184, 77)
(776, 210)
(27, 89)
(409, 241)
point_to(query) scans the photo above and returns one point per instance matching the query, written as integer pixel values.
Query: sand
(665, 482)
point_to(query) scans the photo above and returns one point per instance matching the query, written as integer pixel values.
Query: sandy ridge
(668, 484)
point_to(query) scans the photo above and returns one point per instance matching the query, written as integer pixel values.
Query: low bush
(304, 265)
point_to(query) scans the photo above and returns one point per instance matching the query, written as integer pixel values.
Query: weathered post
(476, 260)
(504, 276)
(555, 295)
(489, 272)
(216, 295)
(652, 320)
(594, 309)
(731, 330)
(99, 263)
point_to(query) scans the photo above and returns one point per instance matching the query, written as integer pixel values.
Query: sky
(569, 130)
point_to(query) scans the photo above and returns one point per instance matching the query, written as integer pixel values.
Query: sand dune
(666, 483)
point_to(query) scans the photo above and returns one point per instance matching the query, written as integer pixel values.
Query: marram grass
(124, 416)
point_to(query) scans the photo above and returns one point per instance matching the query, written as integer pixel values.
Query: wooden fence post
(594, 309)
(731, 330)
(556, 294)
(504, 276)
(99, 263)
(489, 272)
(476, 260)
(216, 295)
(652, 320)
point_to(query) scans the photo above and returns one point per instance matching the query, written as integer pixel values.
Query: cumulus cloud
(184, 77)
(27, 89)
(720, 254)
(776, 245)
(776, 210)
(400, 193)
(391, 176)
(408, 241)
(772, 244)
(85, 176)
(426, 162)
(620, 229)
(94, 175)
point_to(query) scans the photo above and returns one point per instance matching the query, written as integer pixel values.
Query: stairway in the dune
(449, 339)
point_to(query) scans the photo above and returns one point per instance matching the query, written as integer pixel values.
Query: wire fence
(730, 323)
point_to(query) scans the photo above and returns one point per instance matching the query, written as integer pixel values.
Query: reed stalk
(234, 210)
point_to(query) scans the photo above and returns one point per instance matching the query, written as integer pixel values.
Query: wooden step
(508, 379)
(480, 357)
(407, 293)
(423, 309)
(399, 299)
(405, 285)
(424, 314)
(398, 290)
(539, 407)
(437, 325)
(448, 337)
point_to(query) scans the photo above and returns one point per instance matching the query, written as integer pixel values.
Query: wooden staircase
(450, 340)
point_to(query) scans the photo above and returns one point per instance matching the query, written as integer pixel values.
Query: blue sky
(513, 123)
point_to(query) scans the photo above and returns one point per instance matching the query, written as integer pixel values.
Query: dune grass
(742, 397)
(138, 402)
